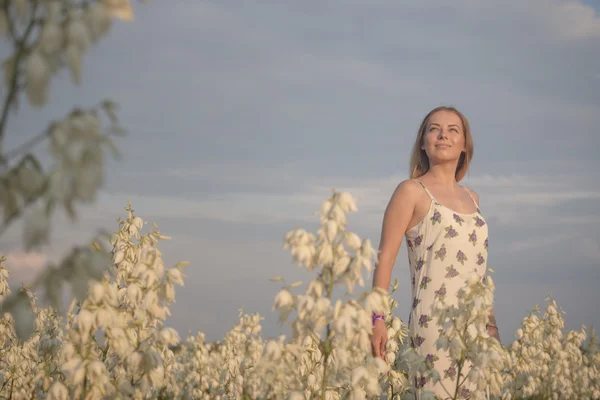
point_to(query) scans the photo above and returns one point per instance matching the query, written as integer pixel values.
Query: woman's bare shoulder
(408, 189)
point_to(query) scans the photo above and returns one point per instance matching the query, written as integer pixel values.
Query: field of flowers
(113, 341)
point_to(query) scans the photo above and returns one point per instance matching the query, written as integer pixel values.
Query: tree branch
(12, 91)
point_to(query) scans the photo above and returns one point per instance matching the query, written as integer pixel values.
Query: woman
(446, 235)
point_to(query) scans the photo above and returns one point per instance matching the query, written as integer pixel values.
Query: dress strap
(469, 193)
(427, 190)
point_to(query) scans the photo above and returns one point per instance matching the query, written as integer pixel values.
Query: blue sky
(243, 115)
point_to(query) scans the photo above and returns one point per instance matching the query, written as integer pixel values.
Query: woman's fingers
(382, 349)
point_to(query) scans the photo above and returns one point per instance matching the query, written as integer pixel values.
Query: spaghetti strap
(427, 190)
(469, 193)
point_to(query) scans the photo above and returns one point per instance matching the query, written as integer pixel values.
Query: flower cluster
(47, 36)
(546, 362)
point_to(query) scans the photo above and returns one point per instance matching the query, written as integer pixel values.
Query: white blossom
(38, 78)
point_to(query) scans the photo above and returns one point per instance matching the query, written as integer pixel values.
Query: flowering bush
(113, 342)
(47, 36)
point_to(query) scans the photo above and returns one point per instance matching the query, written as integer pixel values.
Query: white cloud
(575, 20)
(25, 266)
(539, 242)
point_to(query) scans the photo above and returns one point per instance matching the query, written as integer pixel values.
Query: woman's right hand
(379, 339)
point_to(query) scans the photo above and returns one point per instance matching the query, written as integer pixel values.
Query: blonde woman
(446, 236)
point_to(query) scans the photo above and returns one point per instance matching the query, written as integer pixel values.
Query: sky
(242, 116)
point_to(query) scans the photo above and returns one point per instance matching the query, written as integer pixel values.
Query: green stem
(461, 363)
(13, 86)
(12, 385)
(325, 365)
(330, 282)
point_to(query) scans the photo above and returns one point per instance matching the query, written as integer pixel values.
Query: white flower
(96, 292)
(346, 202)
(283, 299)
(295, 396)
(74, 62)
(118, 257)
(174, 276)
(273, 351)
(119, 8)
(77, 33)
(169, 336)
(331, 229)
(353, 241)
(340, 266)
(325, 254)
(85, 321)
(134, 294)
(358, 374)
(58, 391)
(38, 78)
(98, 20)
(50, 38)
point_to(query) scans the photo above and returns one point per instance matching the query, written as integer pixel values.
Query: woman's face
(444, 138)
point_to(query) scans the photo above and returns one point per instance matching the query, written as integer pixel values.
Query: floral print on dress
(416, 302)
(450, 232)
(423, 320)
(431, 359)
(420, 263)
(424, 282)
(461, 257)
(419, 340)
(441, 253)
(485, 244)
(473, 238)
(436, 218)
(409, 244)
(451, 271)
(480, 259)
(478, 221)
(450, 372)
(441, 292)
(418, 240)
(420, 382)
(459, 220)
(465, 394)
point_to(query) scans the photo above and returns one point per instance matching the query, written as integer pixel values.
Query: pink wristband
(375, 317)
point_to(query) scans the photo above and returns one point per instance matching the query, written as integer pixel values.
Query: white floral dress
(441, 248)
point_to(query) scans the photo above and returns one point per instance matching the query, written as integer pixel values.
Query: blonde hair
(419, 162)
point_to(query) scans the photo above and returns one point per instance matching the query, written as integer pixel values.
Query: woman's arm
(397, 216)
(492, 327)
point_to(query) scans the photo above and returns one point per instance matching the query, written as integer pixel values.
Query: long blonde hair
(419, 162)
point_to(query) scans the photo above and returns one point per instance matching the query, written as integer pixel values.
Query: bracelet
(375, 317)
